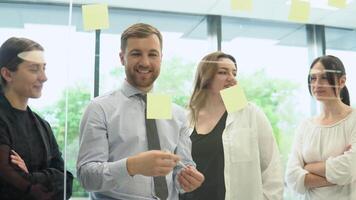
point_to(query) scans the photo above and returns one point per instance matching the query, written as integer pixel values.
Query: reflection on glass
(272, 66)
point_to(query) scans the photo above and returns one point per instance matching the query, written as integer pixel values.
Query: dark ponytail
(332, 63)
(344, 95)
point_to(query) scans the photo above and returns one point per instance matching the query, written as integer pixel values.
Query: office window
(48, 25)
(184, 44)
(342, 43)
(272, 61)
(70, 55)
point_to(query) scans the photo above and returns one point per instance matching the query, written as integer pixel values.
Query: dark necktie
(160, 183)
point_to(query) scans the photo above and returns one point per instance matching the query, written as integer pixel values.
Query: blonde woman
(236, 152)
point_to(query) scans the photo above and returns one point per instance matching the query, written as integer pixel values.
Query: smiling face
(27, 81)
(142, 60)
(320, 86)
(225, 75)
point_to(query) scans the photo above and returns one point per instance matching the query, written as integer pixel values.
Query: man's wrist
(130, 166)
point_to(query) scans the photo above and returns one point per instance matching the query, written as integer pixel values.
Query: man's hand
(152, 163)
(348, 148)
(17, 160)
(190, 179)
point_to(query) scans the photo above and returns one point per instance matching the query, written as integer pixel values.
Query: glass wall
(273, 64)
(182, 36)
(70, 57)
(67, 52)
(342, 43)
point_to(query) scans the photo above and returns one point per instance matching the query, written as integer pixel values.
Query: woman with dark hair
(235, 151)
(31, 166)
(322, 164)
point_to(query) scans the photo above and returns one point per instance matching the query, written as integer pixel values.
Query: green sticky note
(159, 106)
(95, 16)
(242, 5)
(337, 3)
(234, 98)
(299, 11)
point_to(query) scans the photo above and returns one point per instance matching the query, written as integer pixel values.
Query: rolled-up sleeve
(341, 170)
(295, 172)
(94, 171)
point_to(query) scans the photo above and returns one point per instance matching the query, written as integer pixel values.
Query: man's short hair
(139, 30)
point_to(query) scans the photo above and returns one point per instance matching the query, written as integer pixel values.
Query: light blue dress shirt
(112, 129)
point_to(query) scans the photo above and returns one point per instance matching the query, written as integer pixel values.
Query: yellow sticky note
(242, 5)
(299, 11)
(234, 98)
(95, 16)
(337, 3)
(159, 106)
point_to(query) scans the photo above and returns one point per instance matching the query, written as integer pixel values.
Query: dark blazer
(51, 175)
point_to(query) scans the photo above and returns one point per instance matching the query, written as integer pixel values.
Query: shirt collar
(130, 90)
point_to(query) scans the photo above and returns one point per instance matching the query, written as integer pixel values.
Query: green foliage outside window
(78, 98)
(274, 96)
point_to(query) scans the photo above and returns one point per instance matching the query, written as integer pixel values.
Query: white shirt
(111, 130)
(252, 162)
(313, 143)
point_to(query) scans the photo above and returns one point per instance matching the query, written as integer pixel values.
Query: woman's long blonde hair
(206, 71)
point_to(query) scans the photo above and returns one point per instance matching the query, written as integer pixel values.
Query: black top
(32, 138)
(30, 146)
(208, 154)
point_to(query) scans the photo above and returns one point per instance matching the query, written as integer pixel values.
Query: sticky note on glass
(159, 106)
(337, 3)
(234, 98)
(299, 11)
(95, 16)
(242, 5)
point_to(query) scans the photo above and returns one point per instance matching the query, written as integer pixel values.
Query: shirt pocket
(242, 145)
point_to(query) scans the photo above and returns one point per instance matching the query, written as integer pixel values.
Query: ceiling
(268, 20)
(275, 10)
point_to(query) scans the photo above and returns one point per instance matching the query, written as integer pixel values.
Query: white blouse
(313, 143)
